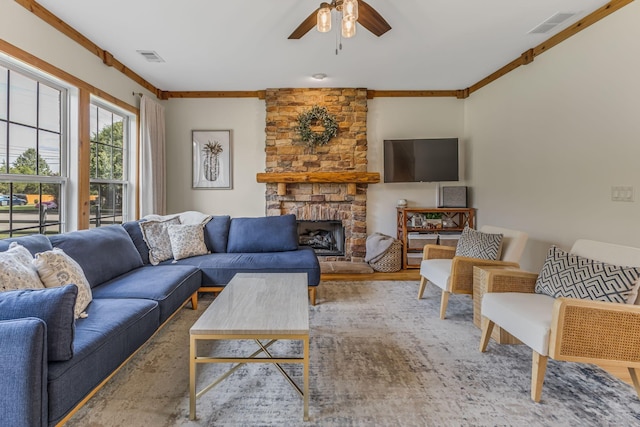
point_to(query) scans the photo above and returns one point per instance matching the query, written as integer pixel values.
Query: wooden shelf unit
(458, 217)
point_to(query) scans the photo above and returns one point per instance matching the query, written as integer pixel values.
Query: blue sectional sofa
(50, 364)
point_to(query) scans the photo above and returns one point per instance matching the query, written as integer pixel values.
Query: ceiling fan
(368, 17)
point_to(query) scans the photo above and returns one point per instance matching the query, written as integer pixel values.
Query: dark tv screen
(421, 160)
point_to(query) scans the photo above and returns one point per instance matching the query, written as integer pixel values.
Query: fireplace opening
(325, 237)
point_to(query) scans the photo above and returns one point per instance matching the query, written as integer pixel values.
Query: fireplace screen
(325, 237)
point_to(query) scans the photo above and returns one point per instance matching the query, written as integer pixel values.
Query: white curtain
(152, 158)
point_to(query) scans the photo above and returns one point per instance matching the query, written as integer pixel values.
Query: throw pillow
(56, 268)
(476, 244)
(55, 306)
(156, 236)
(567, 275)
(17, 270)
(187, 240)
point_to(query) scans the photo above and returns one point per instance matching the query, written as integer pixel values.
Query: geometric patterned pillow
(476, 244)
(156, 237)
(56, 268)
(187, 240)
(566, 275)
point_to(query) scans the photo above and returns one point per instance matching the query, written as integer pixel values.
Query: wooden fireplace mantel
(349, 178)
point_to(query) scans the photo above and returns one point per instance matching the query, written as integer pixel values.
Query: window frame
(127, 119)
(63, 179)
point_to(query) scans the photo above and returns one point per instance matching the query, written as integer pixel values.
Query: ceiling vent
(552, 22)
(150, 55)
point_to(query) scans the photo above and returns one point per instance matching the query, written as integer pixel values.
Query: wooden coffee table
(264, 307)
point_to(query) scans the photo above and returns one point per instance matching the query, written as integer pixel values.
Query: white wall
(246, 118)
(387, 118)
(548, 140)
(25, 30)
(400, 118)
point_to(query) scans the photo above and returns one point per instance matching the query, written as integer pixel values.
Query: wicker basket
(391, 261)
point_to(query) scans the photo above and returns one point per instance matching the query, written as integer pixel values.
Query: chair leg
(312, 295)
(423, 285)
(539, 368)
(444, 301)
(487, 329)
(634, 379)
(194, 300)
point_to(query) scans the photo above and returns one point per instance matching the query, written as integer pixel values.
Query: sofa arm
(23, 372)
(438, 252)
(593, 331)
(511, 281)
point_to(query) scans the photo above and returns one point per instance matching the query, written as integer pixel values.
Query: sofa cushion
(263, 234)
(17, 270)
(34, 243)
(476, 244)
(135, 232)
(156, 236)
(216, 233)
(219, 269)
(526, 316)
(54, 306)
(169, 285)
(187, 240)
(437, 271)
(114, 330)
(110, 245)
(56, 268)
(567, 275)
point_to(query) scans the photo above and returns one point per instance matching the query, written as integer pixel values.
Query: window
(32, 153)
(109, 141)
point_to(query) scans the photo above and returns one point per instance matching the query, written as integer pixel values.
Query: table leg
(306, 379)
(192, 378)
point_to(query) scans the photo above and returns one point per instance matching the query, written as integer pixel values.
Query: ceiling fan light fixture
(350, 9)
(348, 28)
(324, 18)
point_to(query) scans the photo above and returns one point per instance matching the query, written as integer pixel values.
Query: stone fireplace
(325, 237)
(324, 183)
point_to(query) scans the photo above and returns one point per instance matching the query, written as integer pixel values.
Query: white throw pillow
(187, 240)
(56, 268)
(17, 270)
(156, 237)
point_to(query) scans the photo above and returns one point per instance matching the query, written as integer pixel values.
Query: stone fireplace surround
(322, 198)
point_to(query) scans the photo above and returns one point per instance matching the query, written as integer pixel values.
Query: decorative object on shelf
(401, 203)
(211, 159)
(316, 115)
(433, 220)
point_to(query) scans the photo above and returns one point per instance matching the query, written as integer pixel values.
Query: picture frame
(212, 159)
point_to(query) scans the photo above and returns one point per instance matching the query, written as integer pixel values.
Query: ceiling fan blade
(369, 18)
(306, 25)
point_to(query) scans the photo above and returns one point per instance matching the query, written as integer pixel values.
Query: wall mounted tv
(421, 160)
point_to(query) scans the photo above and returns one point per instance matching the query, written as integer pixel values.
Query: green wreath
(316, 115)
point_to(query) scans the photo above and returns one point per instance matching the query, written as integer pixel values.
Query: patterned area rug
(378, 357)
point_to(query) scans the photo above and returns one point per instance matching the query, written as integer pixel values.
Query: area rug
(379, 357)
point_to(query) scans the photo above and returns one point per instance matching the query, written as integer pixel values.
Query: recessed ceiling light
(319, 76)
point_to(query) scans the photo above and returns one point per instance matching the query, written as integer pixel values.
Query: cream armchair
(454, 274)
(566, 329)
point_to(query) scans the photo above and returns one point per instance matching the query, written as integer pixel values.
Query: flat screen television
(421, 160)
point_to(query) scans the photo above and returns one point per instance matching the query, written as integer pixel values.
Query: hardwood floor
(414, 274)
(410, 274)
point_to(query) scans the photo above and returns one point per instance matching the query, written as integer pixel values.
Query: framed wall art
(211, 159)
